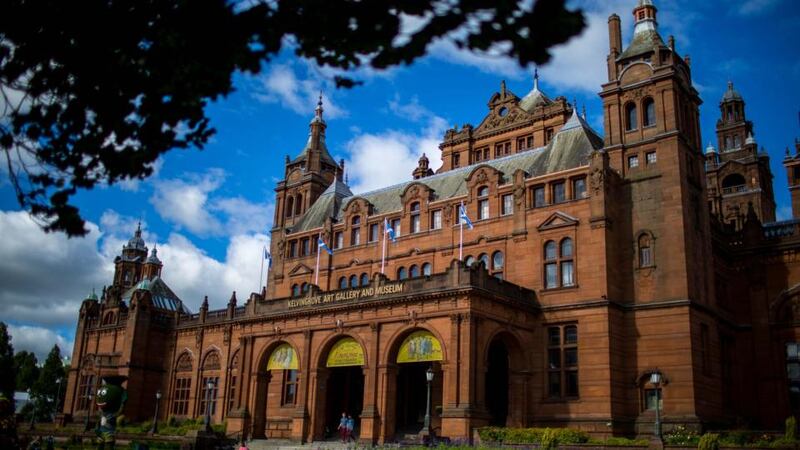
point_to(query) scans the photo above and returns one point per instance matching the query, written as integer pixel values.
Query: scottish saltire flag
(323, 246)
(462, 213)
(389, 230)
(268, 257)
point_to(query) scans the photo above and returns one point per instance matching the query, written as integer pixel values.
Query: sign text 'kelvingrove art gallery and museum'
(539, 277)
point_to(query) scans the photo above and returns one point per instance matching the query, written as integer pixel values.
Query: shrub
(549, 439)
(709, 441)
(790, 432)
(682, 436)
(619, 442)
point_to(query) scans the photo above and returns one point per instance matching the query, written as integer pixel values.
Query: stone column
(370, 418)
(300, 417)
(387, 401)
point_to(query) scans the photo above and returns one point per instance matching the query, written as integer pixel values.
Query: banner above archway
(283, 358)
(420, 346)
(345, 352)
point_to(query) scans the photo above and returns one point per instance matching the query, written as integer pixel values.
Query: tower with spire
(128, 266)
(738, 172)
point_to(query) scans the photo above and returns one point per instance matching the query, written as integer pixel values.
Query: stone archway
(505, 379)
(339, 386)
(278, 371)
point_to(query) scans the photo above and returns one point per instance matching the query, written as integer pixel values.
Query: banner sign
(420, 346)
(363, 293)
(346, 352)
(283, 358)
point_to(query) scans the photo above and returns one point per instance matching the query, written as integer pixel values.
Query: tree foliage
(7, 374)
(27, 372)
(94, 92)
(50, 388)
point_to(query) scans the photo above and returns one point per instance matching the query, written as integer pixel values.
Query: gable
(300, 269)
(558, 220)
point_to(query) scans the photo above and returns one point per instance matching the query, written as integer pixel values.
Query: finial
(730, 85)
(584, 111)
(139, 228)
(318, 110)
(346, 178)
(536, 79)
(503, 87)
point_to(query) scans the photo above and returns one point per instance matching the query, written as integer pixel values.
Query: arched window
(298, 205)
(648, 112)
(483, 203)
(416, 222)
(295, 290)
(210, 380)
(413, 271)
(233, 375)
(645, 251)
(353, 281)
(631, 121)
(108, 319)
(484, 258)
(289, 206)
(549, 251)
(566, 248)
(355, 232)
(182, 385)
(305, 287)
(401, 273)
(737, 142)
(728, 143)
(498, 261)
(426, 269)
(733, 183)
(559, 264)
(343, 283)
(469, 261)
(364, 279)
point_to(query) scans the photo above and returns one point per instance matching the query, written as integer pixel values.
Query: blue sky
(209, 211)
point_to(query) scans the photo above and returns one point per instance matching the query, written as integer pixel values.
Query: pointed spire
(536, 79)
(750, 139)
(584, 111)
(503, 88)
(318, 110)
(205, 303)
(710, 149)
(138, 232)
(232, 300)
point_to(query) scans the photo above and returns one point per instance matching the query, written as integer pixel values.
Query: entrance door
(497, 384)
(345, 394)
(411, 397)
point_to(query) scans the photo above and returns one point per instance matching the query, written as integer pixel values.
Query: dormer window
(483, 203)
(415, 217)
(355, 233)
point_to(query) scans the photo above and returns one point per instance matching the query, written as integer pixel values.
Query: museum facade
(589, 263)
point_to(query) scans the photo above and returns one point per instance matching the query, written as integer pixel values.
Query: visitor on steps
(343, 427)
(350, 425)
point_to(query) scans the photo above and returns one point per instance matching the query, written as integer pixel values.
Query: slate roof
(534, 98)
(644, 41)
(162, 295)
(569, 148)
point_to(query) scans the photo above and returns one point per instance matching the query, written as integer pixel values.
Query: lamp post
(427, 426)
(58, 396)
(33, 408)
(154, 428)
(209, 386)
(655, 380)
(88, 411)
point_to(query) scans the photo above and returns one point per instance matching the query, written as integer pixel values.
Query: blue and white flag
(462, 213)
(268, 257)
(389, 230)
(324, 246)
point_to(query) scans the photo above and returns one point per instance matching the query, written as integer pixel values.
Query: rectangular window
(289, 387)
(232, 393)
(538, 197)
(521, 144)
(508, 205)
(292, 249)
(180, 396)
(651, 158)
(415, 223)
(355, 236)
(562, 361)
(373, 232)
(551, 276)
(548, 135)
(483, 209)
(395, 224)
(507, 148)
(85, 389)
(486, 153)
(436, 219)
(209, 395)
(633, 161)
(498, 150)
(559, 193)
(579, 188)
(338, 240)
(567, 274)
(306, 247)
(456, 159)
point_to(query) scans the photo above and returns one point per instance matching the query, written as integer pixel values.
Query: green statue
(110, 398)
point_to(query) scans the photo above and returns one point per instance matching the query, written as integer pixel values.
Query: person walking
(350, 425)
(343, 427)
(243, 445)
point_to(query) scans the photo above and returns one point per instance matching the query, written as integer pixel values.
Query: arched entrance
(418, 352)
(505, 381)
(342, 389)
(497, 391)
(277, 381)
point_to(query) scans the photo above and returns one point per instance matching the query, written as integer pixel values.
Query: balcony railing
(734, 189)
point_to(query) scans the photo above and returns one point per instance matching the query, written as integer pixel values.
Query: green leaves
(94, 92)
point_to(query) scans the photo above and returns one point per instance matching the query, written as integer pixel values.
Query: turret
(423, 170)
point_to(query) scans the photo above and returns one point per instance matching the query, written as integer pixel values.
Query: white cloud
(397, 151)
(751, 7)
(38, 340)
(133, 184)
(281, 85)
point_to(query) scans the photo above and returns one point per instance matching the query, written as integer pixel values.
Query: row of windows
(354, 281)
(649, 157)
(733, 142)
(294, 206)
(413, 271)
(632, 115)
(502, 148)
(208, 398)
(558, 192)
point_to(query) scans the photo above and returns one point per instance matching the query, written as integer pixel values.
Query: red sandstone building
(594, 261)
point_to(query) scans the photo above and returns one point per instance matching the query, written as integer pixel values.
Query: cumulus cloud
(751, 7)
(283, 86)
(133, 184)
(38, 340)
(398, 151)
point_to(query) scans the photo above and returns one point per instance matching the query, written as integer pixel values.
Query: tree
(51, 385)
(25, 365)
(94, 92)
(7, 373)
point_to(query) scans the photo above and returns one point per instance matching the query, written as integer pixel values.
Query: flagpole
(316, 272)
(383, 255)
(261, 272)
(460, 233)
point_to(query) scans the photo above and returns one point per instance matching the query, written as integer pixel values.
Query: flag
(323, 246)
(462, 213)
(389, 230)
(268, 257)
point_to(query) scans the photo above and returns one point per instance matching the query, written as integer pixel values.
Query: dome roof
(535, 97)
(731, 94)
(136, 242)
(153, 258)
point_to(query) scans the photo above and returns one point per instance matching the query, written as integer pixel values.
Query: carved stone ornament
(212, 361)
(519, 195)
(281, 246)
(412, 193)
(184, 363)
(481, 177)
(448, 214)
(198, 338)
(226, 335)
(596, 180)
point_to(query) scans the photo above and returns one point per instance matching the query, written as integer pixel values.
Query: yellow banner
(346, 352)
(283, 358)
(420, 346)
